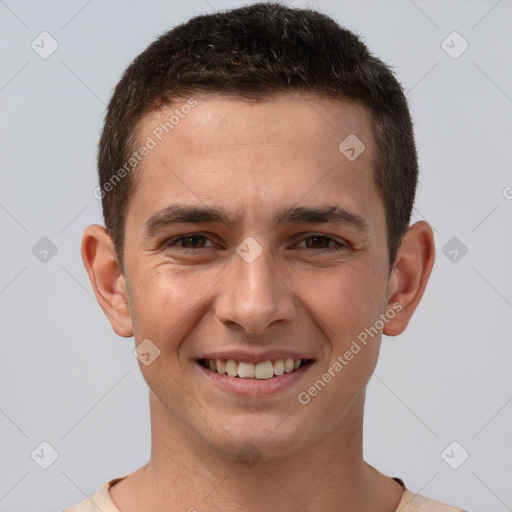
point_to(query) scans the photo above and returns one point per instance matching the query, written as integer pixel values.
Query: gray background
(67, 379)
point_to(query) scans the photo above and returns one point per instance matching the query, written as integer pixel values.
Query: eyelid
(303, 237)
(171, 241)
(338, 244)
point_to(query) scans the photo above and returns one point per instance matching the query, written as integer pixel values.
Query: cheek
(166, 305)
(349, 317)
(169, 303)
(159, 301)
(345, 305)
(343, 301)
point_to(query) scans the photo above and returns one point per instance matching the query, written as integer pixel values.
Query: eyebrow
(190, 214)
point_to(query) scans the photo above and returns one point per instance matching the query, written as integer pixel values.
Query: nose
(254, 295)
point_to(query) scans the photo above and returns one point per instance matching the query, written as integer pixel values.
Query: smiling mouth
(260, 371)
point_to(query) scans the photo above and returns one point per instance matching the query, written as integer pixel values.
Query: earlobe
(99, 258)
(409, 277)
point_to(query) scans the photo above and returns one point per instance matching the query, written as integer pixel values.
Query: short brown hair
(253, 52)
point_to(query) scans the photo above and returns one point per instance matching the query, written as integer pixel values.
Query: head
(257, 173)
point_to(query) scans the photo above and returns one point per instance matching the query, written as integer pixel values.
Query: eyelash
(338, 247)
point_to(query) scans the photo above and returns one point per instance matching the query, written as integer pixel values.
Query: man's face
(276, 282)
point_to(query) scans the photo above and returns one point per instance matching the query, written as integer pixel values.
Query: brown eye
(321, 243)
(318, 242)
(188, 242)
(193, 241)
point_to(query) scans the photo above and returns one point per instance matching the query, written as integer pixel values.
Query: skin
(253, 159)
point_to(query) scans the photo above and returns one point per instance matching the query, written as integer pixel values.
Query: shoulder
(417, 503)
(98, 501)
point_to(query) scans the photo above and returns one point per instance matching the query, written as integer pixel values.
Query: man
(258, 171)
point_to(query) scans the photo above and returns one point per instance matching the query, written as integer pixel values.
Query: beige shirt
(101, 502)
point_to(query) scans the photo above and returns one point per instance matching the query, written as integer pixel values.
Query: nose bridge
(255, 277)
(253, 295)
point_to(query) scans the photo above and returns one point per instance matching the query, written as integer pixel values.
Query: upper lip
(254, 357)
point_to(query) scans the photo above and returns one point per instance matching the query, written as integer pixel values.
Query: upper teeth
(263, 370)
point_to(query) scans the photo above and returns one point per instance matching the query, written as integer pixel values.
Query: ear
(412, 268)
(98, 255)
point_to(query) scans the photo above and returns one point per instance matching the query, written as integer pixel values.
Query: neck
(185, 474)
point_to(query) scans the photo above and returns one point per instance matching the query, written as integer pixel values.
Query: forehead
(287, 148)
(282, 119)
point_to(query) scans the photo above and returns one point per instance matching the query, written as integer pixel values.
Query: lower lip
(247, 387)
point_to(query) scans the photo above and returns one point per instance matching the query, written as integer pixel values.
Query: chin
(265, 438)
